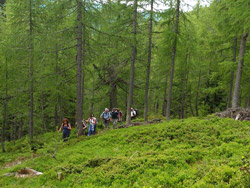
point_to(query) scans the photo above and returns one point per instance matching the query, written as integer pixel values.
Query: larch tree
(31, 71)
(5, 106)
(176, 27)
(132, 71)
(229, 100)
(149, 62)
(236, 93)
(79, 69)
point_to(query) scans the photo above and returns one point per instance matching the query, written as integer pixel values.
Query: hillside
(195, 152)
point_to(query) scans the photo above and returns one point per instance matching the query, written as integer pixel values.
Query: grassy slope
(190, 153)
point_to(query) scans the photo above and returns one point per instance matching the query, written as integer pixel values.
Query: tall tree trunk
(83, 55)
(236, 94)
(43, 116)
(173, 59)
(184, 84)
(92, 103)
(190, 104)
(183, 97)
(164, 106)
(112, 88)
(157, 106)
(11, 131)
(14, 132)
(92, 96)
(57, 98)
(79, 69)
(229, 100)
(20, 130)
(5, 107)
(31, 46)
(149, 63)
(113, 94)
(197, 95)
(132, 73)
(248, 101)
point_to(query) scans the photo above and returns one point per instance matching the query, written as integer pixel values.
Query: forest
(179, 63)
(70, 58)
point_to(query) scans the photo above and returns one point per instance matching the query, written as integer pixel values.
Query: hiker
(92, 124)
(84, 124)
(66, 129)
(133, 113)
(114, 115)
(119, 115)
(106, 117)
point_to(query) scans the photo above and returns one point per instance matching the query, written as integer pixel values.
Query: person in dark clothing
(114, 116)
(66, 129)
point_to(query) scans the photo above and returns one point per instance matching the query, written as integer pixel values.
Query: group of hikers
(113, 116)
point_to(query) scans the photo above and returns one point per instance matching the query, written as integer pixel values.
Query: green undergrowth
(207, 152)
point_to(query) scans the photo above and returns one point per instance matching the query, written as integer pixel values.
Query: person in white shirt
(133, 113)
(92, 124)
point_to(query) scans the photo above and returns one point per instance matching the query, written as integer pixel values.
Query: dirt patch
(17, 161)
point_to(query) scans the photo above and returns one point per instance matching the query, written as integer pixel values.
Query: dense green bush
(180, 153)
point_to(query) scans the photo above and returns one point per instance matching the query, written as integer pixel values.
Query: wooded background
(69, 58)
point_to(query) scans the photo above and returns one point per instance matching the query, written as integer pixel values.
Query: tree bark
(173, 60)
(31, 46)
(92, 96)
(14, 132)
(197, 95)
(43, 116)
(79, 69)
(113, 94)
(112, 87)
(149, 63)
(132, 73)
(229, 100)
(5, 107)
(190, 104)
(83, 55)
(157, 106)
(184, 84)
(164, 106)
(20, 129)
(248, 102)
(57, 98)
(236, 94)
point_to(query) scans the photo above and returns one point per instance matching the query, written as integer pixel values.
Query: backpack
(136, 112)
(115, 114)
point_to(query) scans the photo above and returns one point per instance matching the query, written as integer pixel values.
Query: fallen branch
(235, 113)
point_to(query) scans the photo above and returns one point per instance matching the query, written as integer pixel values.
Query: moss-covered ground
(207, 152)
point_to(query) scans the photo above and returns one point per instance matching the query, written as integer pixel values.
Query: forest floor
(196, 152)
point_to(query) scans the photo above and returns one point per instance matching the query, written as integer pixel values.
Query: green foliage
(195, 152)
(204, 50)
